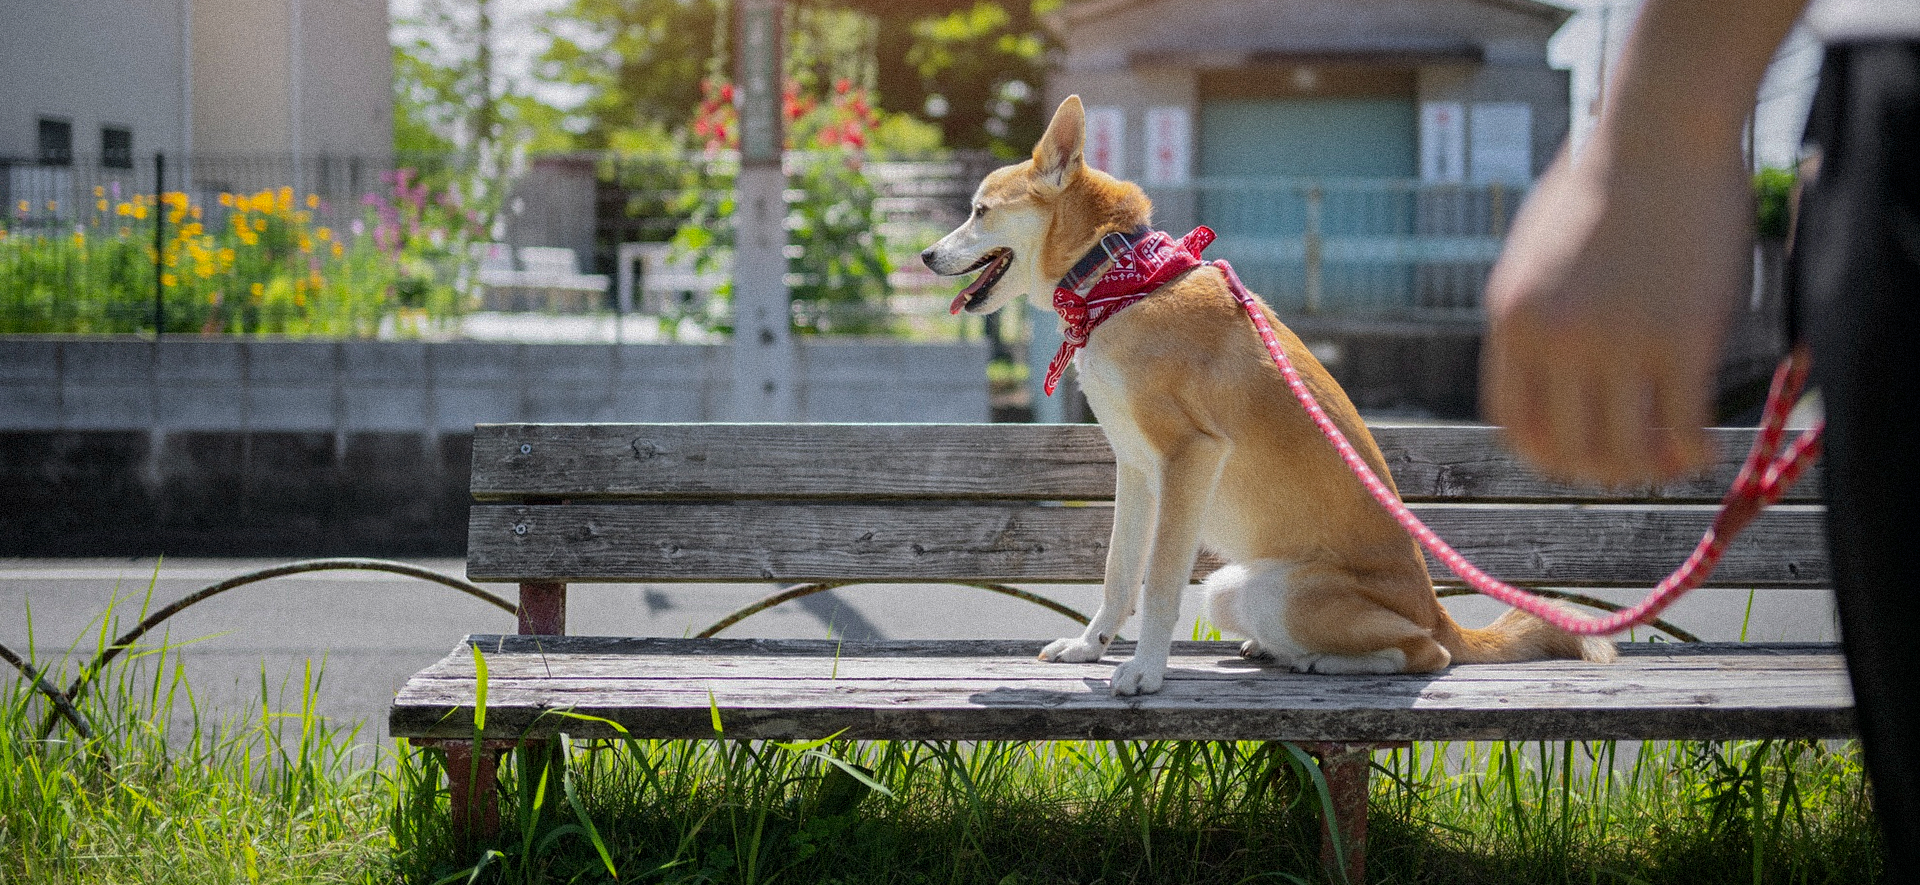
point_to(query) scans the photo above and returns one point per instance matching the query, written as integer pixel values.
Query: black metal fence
(362, 246)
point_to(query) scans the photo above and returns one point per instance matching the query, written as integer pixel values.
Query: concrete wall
(288, 448)
(346, 387)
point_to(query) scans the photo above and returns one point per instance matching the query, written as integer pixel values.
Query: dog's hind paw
(1074, 650)
(1137, 677)
(1254, 651)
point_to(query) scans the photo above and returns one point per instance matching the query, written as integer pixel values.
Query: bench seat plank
(1061, 462)
(1561, 545)
(995, 690)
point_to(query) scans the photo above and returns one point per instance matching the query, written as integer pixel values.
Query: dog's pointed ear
(1058, 156)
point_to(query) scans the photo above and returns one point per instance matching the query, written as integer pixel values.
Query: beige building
(110, 82)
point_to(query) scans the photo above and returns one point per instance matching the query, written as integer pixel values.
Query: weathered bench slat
(969, 461)
(1562, 545)
(962, 690)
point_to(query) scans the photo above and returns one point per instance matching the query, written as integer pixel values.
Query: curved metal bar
(61, 703)
(1660, 624)
(800, 590)
(127, 639)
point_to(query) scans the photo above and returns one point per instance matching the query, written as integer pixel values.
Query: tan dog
(1212, 449)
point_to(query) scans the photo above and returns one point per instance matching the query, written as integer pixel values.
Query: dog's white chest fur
(1105, 386)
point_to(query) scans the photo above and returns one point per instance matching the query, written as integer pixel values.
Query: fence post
(159, 244)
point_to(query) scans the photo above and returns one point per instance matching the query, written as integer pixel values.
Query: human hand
(1606, 311)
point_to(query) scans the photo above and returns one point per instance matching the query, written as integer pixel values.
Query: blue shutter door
(1259, 161)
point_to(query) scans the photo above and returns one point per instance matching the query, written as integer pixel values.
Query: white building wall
(95, 63)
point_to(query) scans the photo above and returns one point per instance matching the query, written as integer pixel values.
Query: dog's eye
(979, 210)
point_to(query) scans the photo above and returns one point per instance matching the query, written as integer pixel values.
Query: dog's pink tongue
(960, 301)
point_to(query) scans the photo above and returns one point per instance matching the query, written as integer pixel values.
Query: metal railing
(1348, 247)
(1365, 247)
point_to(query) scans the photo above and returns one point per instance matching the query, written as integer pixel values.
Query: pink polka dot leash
(1766, 475)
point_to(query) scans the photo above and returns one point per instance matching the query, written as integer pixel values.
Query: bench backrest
(1025, 503)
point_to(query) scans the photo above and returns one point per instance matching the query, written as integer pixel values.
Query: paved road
(370, 630)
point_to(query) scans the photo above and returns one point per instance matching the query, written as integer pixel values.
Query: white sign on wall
(1169, 144)
(1500, 142)
(1443, 141)
(1106, 133)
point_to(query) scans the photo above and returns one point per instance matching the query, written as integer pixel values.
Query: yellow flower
(53, 206)
(226, 255)
(313, 201)
(337, 251)
(226, 199)
(167, 279)
(99, 190)
(99, 205)
(25, 207)
(258, 291)
(195, 212)
(323, 234)
(286, 199)
(260, 224)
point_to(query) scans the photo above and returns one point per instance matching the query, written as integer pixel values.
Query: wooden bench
(561, 504)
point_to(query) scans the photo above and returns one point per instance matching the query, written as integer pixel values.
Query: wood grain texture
(995, 690)
(516, 462)
(1561, 545)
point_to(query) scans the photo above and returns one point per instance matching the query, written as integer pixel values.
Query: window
(56, 142)
(116, 147)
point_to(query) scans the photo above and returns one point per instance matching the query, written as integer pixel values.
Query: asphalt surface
(366, 632)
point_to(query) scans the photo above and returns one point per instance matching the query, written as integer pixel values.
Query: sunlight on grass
(279, 794)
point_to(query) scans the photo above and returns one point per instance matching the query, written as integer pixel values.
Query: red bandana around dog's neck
(1135, 266)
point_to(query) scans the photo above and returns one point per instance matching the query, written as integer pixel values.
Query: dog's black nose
(926, 257)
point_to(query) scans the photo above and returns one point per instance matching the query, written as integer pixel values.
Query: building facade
(106, 84)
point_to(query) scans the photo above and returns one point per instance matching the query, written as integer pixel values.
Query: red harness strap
(1137, 268)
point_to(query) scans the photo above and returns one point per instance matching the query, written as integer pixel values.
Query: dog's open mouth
(976, 292)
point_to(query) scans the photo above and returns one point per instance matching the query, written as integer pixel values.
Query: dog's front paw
(1138, 677)
(1074, 650)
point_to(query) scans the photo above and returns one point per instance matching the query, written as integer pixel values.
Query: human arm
(1607, 307)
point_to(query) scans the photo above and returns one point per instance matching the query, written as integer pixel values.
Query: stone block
(385, 408)
(125, 362)
(575, 364)
(458, 408)
(29, 405)
(29, 359)
(198, 361)
(383, 363)
(475, 362)
(99, 405)
(560, 401)
(210, 405)
(306, 362)
(658, 403)
(279, 406)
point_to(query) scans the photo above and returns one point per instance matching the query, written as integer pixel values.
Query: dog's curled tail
(1519, 636)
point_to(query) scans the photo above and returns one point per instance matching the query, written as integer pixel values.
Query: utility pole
(763, 363)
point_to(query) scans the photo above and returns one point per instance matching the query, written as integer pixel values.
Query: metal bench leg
(1348, 769)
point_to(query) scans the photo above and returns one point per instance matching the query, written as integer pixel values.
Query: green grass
(280, 795)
